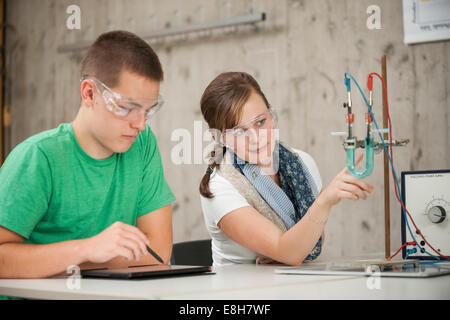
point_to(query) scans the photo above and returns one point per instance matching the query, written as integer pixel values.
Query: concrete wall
(299, 56)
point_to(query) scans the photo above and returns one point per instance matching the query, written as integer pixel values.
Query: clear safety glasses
(126, 108)
(264, 121)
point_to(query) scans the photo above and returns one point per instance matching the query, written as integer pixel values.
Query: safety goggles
(126, 108)
(264, 121)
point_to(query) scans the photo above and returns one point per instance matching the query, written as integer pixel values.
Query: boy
(92, 192)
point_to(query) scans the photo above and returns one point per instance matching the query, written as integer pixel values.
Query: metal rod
(387, 209)
(242, 20)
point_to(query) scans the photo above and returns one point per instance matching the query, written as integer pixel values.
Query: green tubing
(368, 145)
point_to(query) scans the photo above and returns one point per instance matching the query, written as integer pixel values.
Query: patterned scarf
(297, 193)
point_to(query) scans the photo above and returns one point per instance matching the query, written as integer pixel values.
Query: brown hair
(117, 50)
(222, 104)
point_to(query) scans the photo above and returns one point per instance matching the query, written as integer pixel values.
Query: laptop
(146, 272)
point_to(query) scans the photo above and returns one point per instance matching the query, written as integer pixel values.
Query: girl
(262, 201)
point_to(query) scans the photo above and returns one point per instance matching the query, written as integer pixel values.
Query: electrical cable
(392, 165)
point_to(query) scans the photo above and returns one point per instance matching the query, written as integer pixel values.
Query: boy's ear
(87, 88)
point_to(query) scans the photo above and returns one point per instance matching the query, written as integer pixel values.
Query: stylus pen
(153, 253)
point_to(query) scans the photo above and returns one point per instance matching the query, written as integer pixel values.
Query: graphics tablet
(142, 272)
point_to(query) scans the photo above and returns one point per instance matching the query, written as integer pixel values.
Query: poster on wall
(426, 20)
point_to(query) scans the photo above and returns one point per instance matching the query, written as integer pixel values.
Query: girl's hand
(344, 186)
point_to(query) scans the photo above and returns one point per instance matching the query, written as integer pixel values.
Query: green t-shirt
(52, 191)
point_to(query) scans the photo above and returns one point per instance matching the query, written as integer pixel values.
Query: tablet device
(400, 270)
(143, 272)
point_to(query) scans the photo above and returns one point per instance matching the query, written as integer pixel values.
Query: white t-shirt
(227, 199)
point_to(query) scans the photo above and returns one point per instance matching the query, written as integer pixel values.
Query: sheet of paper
(426, 20)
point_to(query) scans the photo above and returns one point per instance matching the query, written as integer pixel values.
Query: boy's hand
(119, 239)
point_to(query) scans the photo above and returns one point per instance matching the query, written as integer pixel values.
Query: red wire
(390, 258)
(404, 245)
(395, 185)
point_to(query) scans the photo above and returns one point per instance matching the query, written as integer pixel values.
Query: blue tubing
(368, 145)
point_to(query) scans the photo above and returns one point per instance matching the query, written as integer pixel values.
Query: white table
(251, 282)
